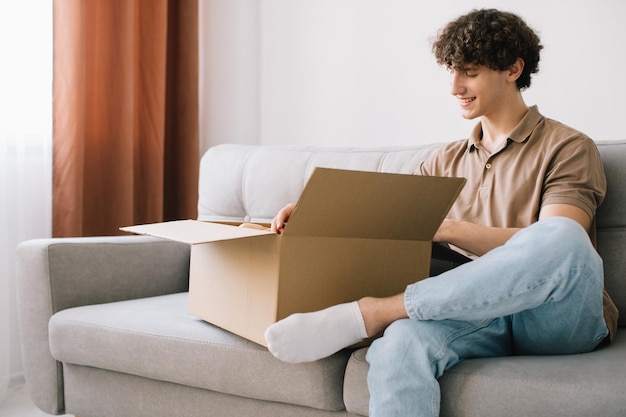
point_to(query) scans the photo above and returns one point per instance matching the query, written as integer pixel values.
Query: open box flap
(193, 231)
(373, 205)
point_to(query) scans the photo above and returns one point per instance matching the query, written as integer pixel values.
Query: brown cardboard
(352, 234)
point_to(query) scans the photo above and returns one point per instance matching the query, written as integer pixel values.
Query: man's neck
(498, 127)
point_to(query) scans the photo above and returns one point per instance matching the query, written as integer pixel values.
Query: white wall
(229, 71)
(360, 72)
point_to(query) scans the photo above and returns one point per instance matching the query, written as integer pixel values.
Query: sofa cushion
(589, 384)
(156, 338)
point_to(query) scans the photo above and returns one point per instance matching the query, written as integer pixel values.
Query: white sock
(307, 337)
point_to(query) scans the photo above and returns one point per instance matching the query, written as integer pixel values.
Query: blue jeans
(539, 294)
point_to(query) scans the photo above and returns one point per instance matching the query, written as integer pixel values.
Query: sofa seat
(589, 384)
(155, 338)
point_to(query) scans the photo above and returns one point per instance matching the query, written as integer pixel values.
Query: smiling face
(481, 91)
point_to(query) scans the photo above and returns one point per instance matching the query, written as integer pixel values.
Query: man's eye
(471, 74)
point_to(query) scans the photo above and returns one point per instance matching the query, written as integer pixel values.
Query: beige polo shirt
(543, 162)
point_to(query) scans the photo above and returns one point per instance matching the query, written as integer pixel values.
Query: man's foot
(311, 336)
(307, 337)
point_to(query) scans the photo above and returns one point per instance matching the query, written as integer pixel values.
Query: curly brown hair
(491, 38)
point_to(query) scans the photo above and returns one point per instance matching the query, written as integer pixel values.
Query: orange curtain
(125, 114)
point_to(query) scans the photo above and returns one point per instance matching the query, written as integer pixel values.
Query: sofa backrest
(251, 183)
(241, 183)
(611, 223)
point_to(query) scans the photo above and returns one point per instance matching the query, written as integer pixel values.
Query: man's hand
(280, 221)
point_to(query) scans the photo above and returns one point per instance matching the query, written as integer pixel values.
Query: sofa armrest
(56, 274)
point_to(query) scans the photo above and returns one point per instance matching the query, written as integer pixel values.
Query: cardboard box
(352, 234)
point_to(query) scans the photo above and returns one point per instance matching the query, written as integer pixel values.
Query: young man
(526, 215)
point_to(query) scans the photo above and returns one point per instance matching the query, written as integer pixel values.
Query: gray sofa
(106, 333)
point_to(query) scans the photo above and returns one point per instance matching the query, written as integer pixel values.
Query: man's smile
(466, 100)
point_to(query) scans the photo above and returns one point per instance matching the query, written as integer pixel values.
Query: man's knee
(565, 244)
(560, 236)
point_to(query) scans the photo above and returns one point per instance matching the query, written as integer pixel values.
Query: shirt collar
(520, 133)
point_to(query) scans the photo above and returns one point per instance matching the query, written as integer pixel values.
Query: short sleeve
(576, 177)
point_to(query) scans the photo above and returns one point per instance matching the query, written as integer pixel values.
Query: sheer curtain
(25, 154)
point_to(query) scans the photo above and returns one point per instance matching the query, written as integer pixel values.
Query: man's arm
(567, 210)
(478, 239)
(472, 237)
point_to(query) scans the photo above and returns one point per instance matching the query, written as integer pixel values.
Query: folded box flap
(373, 205)
(193, 231)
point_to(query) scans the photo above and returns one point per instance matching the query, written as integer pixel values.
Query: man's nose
(456, 86)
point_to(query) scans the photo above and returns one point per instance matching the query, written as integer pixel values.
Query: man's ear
(515, 70)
